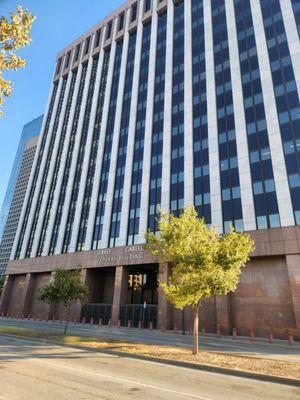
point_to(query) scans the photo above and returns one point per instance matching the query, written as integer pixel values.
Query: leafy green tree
(66, 288)
(14, 34)
(204, 263)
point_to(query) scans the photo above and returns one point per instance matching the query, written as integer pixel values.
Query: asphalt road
(279, 350)
(30, 370)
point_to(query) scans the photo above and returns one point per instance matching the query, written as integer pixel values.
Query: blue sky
(58, 23)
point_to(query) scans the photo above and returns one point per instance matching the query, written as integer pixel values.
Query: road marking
(124, 380)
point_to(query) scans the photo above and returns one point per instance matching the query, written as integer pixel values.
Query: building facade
(166, 104)
(17, 201)
(29, 130)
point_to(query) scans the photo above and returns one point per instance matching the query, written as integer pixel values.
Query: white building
(166, 104)
(16, 188)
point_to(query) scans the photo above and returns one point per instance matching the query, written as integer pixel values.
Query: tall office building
(161, 105)
(17, 188)
(29, 130)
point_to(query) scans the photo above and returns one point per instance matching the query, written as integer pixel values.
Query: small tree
(14, 34)
(66, 288)
(204, 263)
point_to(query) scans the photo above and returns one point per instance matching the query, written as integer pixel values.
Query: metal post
(183, 322)
(143, 315)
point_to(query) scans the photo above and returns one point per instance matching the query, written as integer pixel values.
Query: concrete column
(148, 130)
(95, 192)
(240, 123)
(115, 143)
(279, 168)
(121, 241)
(24, 301)
(45, 196)
(188, 107)
(64, 218)
(75, 312)
(5, 296)
(51, 308)
(292, 37)
(120, 292)
(84, 275)
(165, 314)
(41, 173)
(212, 125)
(293, 267)
(86, 162)
(166, 156)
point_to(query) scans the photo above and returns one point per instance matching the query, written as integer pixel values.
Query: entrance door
(142, 297)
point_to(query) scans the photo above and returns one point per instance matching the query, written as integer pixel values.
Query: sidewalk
(278, 350)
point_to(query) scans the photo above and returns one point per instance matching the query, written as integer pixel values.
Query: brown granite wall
(207, 317)
(108, 289)
(59, 312)
(165, 318)
(38, 309)
(268, 296)
(293, 267)
(120, 292)
(14, 307)
(263, 298)
(101, 285)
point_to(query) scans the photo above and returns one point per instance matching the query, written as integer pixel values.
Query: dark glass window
(46, 170)
(121, 21)
(177, 137)
(231, 202)
(265, 204)
(46, 216)
(36, 172)
(147, 5)
(77, 51)
(285, 90)
(87, 45)
(157, 128)
(80, 158)
(97, 38)
(101, 202)
(200, 131)
(58, 66)
(93, 155)
(138, 155)
(67, 62)
(296, 11)
(123, 140)
(109, 30)
(67, 168)
(133, 12)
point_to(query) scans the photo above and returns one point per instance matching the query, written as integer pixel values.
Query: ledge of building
(125, 255)
(268, 242)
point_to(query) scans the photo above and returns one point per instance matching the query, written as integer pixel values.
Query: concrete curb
(208, 338)
(201, 367)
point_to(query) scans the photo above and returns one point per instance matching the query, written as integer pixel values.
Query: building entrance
(142, 297)
(101, 286)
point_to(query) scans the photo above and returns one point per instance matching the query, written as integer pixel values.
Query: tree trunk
(68, 319)
(196, 330)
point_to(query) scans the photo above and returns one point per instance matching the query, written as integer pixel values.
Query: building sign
(127, 255)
